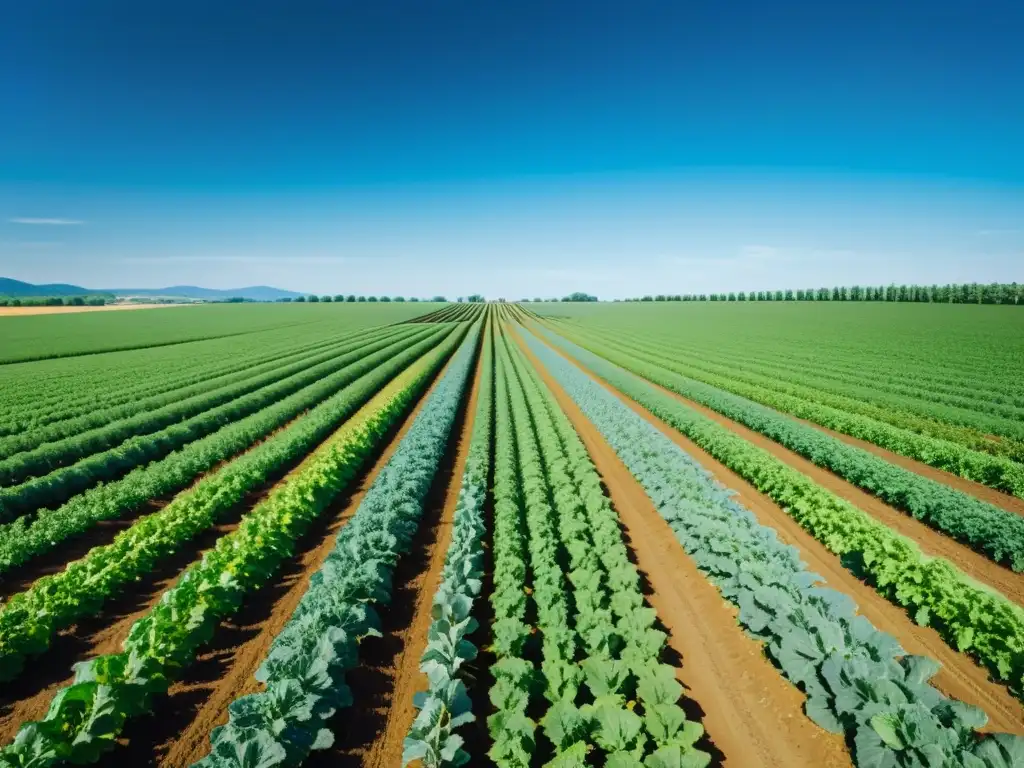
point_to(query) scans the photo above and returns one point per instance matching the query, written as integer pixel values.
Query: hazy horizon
(512, 151)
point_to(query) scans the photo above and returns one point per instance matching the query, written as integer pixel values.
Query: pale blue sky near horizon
(514, 151)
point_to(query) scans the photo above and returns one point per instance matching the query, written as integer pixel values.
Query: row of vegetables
(445, 706)
(86, 717)
(30, 619)
(572, 634)
(304, 672)
(858, 681)
(850, 415)
(43, 393)
(59, 443)
(971, 618)
(31, 535)
(997, 533)
(970, 402)
(111, 462)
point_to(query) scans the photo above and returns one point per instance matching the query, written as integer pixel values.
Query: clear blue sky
(517, 149)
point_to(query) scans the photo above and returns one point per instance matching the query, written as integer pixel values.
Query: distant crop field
(623, 535)
(37, 338)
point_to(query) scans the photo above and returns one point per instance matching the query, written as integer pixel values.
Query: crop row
(166, 425)
(304, 671)
(445, 704)
(846, 388)
(960, 403)
(29, 536)
(970, 618)
(74, 392)
(847, 415)
(858, 681)
(29, 619)
(86, 717)
(63, 483)
(109, 425)
(995, 532)
(599, 671)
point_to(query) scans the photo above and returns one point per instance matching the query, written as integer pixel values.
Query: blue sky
(511, 148)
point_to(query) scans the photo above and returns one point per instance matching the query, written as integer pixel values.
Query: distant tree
(285, 300)
(372, 299)
(313, 299)
(361, 298)
(328, 299)
(76, 301)
(300, 299)
(385, 299)
(580, 296)
(460, 300)
(476, 298)
(647, 298)
(538, 300)
(339, 298)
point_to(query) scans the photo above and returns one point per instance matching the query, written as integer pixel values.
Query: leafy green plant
(855, 677)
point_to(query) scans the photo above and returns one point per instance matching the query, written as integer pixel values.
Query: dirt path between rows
(179, 733)
(971, 488)
(751, 714)
(932, 542)
(371, 735)
(960, 677)
(28, 697)
(103, 532)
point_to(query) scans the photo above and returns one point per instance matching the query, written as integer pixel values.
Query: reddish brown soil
(752, 716)
(931, 541)
(983, 492)
(371, 734)
(28, 697)
(180, 734)
(960, 677)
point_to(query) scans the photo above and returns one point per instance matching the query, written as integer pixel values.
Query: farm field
(644, 535)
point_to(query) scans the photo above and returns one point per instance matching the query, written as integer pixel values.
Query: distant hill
(9, 287)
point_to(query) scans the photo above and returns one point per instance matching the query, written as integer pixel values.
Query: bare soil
(960, 677)
(752, 716)
(372, 733)
(179, 734)
(932, 542)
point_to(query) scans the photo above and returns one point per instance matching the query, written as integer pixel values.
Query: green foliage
(858, 681)
(321, 641)
(29, 619)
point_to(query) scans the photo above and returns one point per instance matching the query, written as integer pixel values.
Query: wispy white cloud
(48, 222)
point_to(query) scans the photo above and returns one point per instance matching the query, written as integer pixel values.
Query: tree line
(952, 293)
(53, 301)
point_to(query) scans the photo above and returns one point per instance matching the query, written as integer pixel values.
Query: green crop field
(634, 535)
